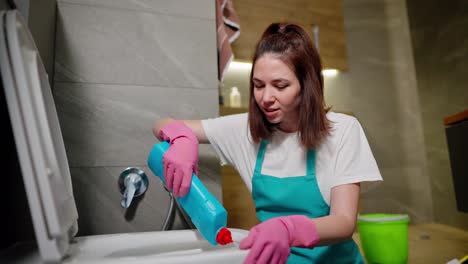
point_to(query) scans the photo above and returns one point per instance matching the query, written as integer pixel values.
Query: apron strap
(260, 156)
(311, 158)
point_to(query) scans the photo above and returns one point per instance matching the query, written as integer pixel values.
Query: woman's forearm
(339, 225)
(194, 125)
(334, 228)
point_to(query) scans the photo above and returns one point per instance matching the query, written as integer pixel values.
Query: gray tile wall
(440, 37)
(41, 23)
(119, 66)
(380, 88)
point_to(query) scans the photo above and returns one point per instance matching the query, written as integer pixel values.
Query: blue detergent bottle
(205, 211)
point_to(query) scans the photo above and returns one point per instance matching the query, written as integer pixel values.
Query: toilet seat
(38, 138)
(168, 247)
(46, 175)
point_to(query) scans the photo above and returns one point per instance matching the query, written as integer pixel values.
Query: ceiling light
(237, 65)
(329, 72)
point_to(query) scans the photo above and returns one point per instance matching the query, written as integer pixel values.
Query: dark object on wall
(456, 131)
(12, 4)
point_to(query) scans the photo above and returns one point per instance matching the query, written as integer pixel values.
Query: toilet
(47, 180)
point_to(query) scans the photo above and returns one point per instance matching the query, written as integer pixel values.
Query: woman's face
(277, 92)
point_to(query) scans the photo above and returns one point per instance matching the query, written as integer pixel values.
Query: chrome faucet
(132, 183)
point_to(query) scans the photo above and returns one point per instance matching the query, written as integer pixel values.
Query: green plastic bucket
(384, 238)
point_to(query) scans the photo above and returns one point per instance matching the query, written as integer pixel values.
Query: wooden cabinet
(456, 131)
(237, 200)
(255, 16)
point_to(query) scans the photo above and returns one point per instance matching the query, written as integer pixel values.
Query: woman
(302, 163)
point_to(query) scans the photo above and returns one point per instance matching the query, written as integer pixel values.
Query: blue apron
(299, 195)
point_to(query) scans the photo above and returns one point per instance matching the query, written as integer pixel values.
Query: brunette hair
(291, 44)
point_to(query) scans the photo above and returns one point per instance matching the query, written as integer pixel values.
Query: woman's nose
(268, 95)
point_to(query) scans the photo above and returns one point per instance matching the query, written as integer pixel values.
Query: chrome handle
(132, 183)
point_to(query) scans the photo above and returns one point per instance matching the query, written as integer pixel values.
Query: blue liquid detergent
(205, 211)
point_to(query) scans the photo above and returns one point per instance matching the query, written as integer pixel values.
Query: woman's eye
(259, 85)
(281, 86)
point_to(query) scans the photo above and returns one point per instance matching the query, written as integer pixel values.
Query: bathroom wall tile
(404, 190)
(97, 198)
(364, 14)
(439, 38)
(41, 23)
(123, 46)
(111, 125)
(120, 66)
(190, 8)
(374, 96)
(337, 92)
(383, 96)
(373, 87)
(398, 201)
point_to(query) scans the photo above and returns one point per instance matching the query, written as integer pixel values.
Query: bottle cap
(224, 236)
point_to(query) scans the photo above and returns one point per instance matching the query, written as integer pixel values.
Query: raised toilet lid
(38, 138)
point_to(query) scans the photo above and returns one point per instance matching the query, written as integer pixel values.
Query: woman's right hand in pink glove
(270, 241)
(181, 159)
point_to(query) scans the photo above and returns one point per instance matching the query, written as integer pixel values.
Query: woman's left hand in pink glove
(270, 241)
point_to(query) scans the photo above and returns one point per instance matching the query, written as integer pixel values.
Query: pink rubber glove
(181, 159)
(270, 241)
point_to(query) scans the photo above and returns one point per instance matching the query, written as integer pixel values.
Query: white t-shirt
(343, 157)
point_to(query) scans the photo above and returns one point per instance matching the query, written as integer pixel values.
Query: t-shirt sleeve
(226, 135)
(355, 161)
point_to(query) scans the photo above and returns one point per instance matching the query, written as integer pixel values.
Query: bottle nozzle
(224, 236)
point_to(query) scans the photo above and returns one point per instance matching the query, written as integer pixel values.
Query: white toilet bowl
(46, 175)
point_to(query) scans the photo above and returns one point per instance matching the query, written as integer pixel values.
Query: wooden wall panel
(255, 16)
(237, 200)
